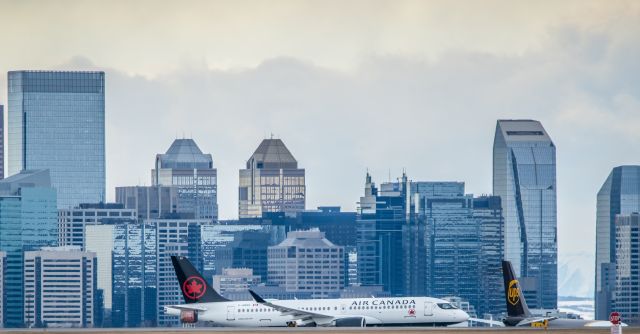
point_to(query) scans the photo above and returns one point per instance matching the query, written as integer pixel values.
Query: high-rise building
(619, 195)
(134, 293)
(213, 238)
(339, 227)
(235, 280)
(524, 176)
(307, 261)
(28, 221)
(247, 250)
(627, 288)
(192, 172)
(56, 121)
(72, 222)
(272, 182)
(59, 287)
(154, 202)
(3, 267)
(1, 142)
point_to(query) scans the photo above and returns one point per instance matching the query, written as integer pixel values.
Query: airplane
(202, 303)
(518, 314)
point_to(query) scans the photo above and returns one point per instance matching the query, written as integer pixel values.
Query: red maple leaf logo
(193, 287)
(412, 311)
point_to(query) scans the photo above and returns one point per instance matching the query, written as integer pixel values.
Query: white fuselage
(397, 311)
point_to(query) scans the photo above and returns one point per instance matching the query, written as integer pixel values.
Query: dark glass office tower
(524, 176)
(56, 122)
(619, 195)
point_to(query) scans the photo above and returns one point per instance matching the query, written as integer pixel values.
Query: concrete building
(191, 171)
(59, 287)
(72, 222)
(524, 176)
(271, 182)
(56, 121)
(247, 250)
(627, 287)
(155, 202)
(235, 280)
(307, 261)
(28, 221)
(619, 195)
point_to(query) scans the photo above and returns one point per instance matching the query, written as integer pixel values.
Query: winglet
(257, 298)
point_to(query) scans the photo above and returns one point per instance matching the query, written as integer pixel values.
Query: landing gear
(292, 324)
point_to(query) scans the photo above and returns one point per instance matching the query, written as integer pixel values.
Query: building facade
(247, 250)
(150, 202)
(59, 287)
(234, 280)
(627, 288)
(56, 121)
(28, 221)
(619, 195)
(307, 261)
(191, 171)
(72, 222)
(1, 142)
(524, 176)
(271, 182)
(3, 267)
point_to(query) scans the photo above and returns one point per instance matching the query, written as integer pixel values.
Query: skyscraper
(28, 221)
(619, 195)
(1, 142)
(272, 182)
(524, 176)
(192, 172)
(627, 283)
(56, 122)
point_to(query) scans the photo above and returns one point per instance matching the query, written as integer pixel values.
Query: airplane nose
(462, 316)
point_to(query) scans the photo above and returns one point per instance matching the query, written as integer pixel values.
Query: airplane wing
(529, 321)
(189, 307)
(301, 314)
(488, 322)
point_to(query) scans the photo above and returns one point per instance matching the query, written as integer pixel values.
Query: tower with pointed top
(185, 167)
(271, 182)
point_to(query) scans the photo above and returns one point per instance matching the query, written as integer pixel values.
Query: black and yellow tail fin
(194, 287)
(516, 305)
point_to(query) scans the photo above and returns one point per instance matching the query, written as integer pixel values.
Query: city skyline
(435, 98)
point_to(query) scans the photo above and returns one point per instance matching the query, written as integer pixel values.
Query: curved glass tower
(524, 176)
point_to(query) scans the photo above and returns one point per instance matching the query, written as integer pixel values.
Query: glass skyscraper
(191, 171)
(619, 195)
(524, 176)
(627, 283)
(56, 122)
(272, 182)
(28, 221)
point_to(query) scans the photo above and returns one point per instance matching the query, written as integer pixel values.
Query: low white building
(307, 262)
(235, 280)
(59, 287)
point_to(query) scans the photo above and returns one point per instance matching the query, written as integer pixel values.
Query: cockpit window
(446, 306)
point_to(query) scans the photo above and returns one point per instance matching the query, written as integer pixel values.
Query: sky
(352, 86)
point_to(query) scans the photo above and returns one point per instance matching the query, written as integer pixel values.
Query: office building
(150, 202)
(179, 237)
(28, 221)
(339, 227)
(619, 195)
(234, 280)
(59, 287)
(56, 121)
(1, 143)
(134, 292)
(215, 237)
(627, 288)
(272, 182)
(72, 222)
(307, 261)
(192, 172)
(524, 176)
(3, 267)
(247, 250)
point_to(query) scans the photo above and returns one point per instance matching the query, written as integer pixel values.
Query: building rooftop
(25, 179)
(184, 154)
(308, 239)
(522, 130)
(272, 154)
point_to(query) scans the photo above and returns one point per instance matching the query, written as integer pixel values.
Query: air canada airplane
(518, 314)
(202, 303)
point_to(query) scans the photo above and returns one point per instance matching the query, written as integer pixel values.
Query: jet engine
(349, 322)
(188, 316)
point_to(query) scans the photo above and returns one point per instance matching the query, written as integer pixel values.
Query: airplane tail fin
(194, 287)
(516, 304)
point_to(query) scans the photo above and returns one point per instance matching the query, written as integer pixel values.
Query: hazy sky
(383, 85)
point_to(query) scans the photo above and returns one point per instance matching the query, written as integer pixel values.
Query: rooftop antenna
(271, 135)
